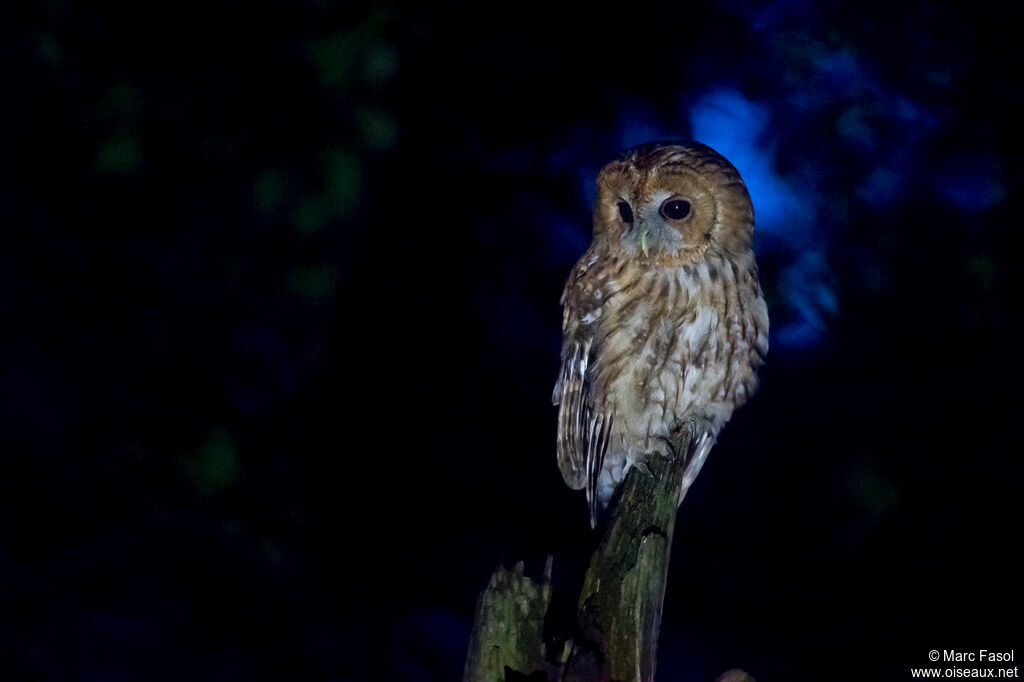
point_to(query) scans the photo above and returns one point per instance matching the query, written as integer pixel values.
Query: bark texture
(620, 604)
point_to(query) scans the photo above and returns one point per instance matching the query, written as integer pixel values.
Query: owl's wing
(584, 421)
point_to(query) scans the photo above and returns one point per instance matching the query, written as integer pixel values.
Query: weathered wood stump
(620, 604)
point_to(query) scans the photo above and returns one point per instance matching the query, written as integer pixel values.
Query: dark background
(279, 297)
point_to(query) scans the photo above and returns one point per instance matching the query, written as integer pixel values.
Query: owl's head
(669, 203)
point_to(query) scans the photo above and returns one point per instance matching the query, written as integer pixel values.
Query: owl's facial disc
(661, 225)
(668, 205)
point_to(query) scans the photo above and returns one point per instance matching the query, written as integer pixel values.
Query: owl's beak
(644, 246)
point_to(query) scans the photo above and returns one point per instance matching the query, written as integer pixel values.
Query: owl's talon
(695, 427)
(644, 469)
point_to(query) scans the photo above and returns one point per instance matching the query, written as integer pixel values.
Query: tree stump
(619, 613)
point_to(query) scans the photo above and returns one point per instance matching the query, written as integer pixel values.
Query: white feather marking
(695, 333)
(590, 464)
(700, 453)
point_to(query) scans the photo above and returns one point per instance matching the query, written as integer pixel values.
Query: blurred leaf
(855, 128)
(343, 180)
(310, 215)
(982, 270)
(123, 100)
(118, 155)
(49, 50)
(972, 181)
(335, 58)
(338, 56)
(378, 129)
(380, 63)
(215, 466)
(316, 284)
(269, 191)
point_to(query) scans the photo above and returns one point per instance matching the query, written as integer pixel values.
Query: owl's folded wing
(583, 428)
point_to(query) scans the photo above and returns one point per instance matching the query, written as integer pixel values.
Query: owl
(664, 325)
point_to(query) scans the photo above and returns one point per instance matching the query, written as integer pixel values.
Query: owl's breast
(675, 343)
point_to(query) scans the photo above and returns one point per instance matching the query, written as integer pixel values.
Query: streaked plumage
(664, 325)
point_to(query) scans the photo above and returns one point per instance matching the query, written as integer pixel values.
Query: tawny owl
(664, 326)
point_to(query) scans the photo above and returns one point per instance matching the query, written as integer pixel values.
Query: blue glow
(881, 187)
(734, 126)
(585, 180)
(785, 209)
(570, 239)
(803, 285)
(842, 71)
(638, 127)
(855, 128)
(972, 182)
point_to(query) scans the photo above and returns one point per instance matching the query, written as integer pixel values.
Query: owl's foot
(640, 462)
(692, 429)
(644, 469)
(702, 439)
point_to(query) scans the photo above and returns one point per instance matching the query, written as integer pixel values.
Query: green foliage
(380, 63)
(315, 284)
(378, 129)
(982, 271)
(215, 466)
(335, 58)
(342, 182)
(121, 154)
(358, 50)
(270, 191)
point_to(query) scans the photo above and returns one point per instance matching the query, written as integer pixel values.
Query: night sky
(279, 288)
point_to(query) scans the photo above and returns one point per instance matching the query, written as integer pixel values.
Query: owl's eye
(626, 212)
(677, 209)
